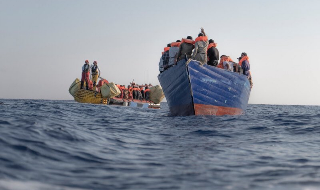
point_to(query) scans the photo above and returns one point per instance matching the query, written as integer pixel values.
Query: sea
(65, 145)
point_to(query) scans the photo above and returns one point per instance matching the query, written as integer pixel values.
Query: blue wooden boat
(194, 89)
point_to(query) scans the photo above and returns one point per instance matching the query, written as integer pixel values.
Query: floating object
(195, 89)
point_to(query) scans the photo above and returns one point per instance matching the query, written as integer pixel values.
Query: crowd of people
(132, 91)
(135, 91)
(205, 51)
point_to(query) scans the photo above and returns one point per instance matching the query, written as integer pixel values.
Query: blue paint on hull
(190, 83)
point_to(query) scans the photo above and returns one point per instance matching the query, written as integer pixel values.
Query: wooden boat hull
(194, 89)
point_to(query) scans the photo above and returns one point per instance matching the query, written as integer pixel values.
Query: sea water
(64, 145)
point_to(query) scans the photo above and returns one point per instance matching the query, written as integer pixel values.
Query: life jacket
(201, 38)
(165, 49)
(175, 44)
(212, 45)
(86, 68)
(220, 65)
(187, 41)
(94, 69)
(242, 59)
(102, 81)
(147, 90)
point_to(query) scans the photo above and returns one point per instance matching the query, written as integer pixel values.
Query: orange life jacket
(147, 90)
(187, 41)
(175, 44)
(212, 45)
(201, 38)
(166, 49)
(242, 59)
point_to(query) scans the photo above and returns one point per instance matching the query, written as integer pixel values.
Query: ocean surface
(64, 145)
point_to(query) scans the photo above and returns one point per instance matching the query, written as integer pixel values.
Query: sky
(44, 43)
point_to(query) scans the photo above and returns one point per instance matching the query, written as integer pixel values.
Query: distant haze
(44, 43)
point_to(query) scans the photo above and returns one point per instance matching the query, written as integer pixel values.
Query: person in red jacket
(85, 74)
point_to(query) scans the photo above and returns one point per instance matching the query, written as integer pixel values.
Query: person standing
(173, 53)
(85, 74)
(185, 49)
(245, 66)
(165, 57)
(200, 47)
(213, 53)
(95, 73)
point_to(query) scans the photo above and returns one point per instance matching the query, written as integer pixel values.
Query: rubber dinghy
(108, 93)
(194, 89)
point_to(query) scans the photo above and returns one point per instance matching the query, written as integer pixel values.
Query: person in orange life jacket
(245, 66)
(213, 53)
(185, 49)
(165, 57)
(147, 93)
(95, 72)
(85, 74)
(222, 58)
(130, 92)
(173, 52)
(200, 47)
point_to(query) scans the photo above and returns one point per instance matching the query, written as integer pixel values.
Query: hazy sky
(44, 43)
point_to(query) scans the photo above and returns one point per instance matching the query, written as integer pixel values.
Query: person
(185, 49)
(147, 93)
(165, 56)
(213, 53)
(222, 59)
(245, 66)
(200, 48)
(85, 75)
(173, 53)
(227, 65)
(95, 73)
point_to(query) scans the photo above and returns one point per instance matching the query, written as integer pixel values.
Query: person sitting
(200, 48)
(213, 53)
(222, 59)
(173, 53)
(185, 49)
(85, 75)
(245, 66)
(227, 64)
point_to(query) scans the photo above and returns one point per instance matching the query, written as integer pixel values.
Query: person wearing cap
(95, 73)
(213, 53)
(200, 48)
(245, 66)
(85, 74)
(185, 49)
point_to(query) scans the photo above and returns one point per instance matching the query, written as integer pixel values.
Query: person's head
(211, 41)
(243, 54)
(189, 37)
(169, 45)
(178, 41)
(200, 34)
(86, 61)
(95, 62)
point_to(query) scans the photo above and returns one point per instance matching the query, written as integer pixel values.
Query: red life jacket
(242, 59)
(175, 44)
(212, 45)
(201, 38)
(187, 41)
(102, 81)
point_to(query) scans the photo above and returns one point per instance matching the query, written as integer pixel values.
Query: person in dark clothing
(213, 53)
(85, 75)
(185, 49)
(245, 66)
(165, 56)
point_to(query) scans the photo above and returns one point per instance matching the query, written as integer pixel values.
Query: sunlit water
(64, 145)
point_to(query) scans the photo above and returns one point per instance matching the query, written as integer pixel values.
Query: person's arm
(202, 31)
(195, 50)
